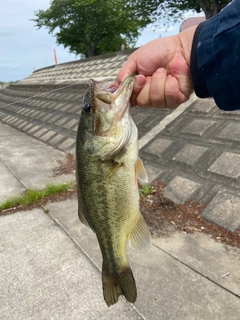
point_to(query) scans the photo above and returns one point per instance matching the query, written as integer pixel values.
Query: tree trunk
(211, 9)
(90, 51)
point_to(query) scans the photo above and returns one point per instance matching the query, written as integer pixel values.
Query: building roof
(191, 22)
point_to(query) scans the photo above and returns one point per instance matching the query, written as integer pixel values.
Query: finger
(142, 99)
(174, 97)
(139, 83)
(130, 66)
(157, 88)
(180, 70)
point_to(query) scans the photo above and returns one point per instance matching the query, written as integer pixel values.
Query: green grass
(145, 190)
(30, 196)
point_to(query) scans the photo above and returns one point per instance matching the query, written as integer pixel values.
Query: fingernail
(139, 81)
(160, 70)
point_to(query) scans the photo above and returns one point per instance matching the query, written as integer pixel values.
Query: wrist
(186, 39)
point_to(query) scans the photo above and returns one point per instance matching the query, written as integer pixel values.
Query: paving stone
(180, 189)
(109, 72)
(72, 150)
(67, 144)
(32, 103)
(75, 128)
(42, 103)
(224, 210)
(28, 126)
(230, 113)
(61, 121)
(190, 153)
(40, 115)
(158, 146)
(53, 118)
(33, 129)
(47, 116)
(71, 96)
(65, 107)
(6, 118)
(138, 117)
(155, 118)
(228, 165)
(198, 127)
(52, 105)
(230, 132)
(40, 132)
(48, 135)
(19, 122)
(23, 125)
(30, 113)
(75, 108)
(58, 138)
(70, 123)
(23, 111)
(206, 106)
(12, 119)
(38, 103)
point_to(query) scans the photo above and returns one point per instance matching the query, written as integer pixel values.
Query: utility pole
(55, 56)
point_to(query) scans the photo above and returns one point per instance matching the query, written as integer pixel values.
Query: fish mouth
(103, 94)
(110, 126)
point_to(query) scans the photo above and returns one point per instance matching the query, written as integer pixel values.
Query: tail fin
(116, 285)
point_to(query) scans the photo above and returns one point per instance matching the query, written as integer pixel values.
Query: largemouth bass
(108, 168)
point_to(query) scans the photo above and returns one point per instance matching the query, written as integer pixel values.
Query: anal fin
(140, 237)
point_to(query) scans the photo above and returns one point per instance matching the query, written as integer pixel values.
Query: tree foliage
(177, 7)
(90, 27)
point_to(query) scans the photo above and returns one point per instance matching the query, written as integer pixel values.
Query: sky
(24, 48)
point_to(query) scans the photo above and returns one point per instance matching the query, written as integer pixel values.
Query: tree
(90, 27)
(209, 7)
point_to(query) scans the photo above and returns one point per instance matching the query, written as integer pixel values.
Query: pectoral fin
(140, 237)
(114, 167)
(82, 218)
(141, 172)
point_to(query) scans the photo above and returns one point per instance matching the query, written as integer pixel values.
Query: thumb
(139, 83)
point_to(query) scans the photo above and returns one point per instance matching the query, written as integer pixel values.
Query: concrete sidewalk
(50, 263)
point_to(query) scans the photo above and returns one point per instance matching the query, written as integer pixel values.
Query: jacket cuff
(199, 83)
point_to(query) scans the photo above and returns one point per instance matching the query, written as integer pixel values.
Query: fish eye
(87, 107)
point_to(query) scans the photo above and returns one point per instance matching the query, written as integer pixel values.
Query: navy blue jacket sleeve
(215, 58)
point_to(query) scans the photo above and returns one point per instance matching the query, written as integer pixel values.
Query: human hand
(163, 75)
